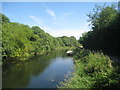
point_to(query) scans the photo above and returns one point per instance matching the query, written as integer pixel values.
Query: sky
(55, 18)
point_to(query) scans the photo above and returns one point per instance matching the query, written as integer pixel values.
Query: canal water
(45, 71)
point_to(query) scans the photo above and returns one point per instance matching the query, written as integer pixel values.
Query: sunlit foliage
(19, 40)
(93, 70)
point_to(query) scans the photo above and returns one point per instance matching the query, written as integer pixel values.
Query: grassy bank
(93, 70)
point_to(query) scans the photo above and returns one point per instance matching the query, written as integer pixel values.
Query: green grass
(93, 70)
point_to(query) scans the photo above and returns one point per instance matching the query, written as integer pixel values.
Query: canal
(45, 71)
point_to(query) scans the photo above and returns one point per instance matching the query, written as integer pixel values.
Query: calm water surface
(40, 72)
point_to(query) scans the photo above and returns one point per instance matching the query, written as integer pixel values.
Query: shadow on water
(40, 72)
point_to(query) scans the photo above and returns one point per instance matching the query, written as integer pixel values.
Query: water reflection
(40, 72)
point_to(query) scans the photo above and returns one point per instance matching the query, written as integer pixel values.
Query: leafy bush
(92, 70)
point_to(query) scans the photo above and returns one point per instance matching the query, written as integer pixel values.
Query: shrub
(92, 70)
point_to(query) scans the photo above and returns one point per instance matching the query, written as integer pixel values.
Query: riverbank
(93, 70)
(29, 56)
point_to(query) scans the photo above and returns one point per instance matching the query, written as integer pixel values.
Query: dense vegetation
(105, 22)
(21, 41)
(93, 70)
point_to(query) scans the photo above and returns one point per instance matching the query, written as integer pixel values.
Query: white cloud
(36, 20)
(62, 32)
(67, 13)
(65, 32)
(64, 15)
(56, 19)
(68, 32)
(51, 13)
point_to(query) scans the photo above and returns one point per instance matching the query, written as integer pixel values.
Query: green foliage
(92, 70)
(15, 41)
(69, 41)
(21, 41)
(105, 22)
(4, 19)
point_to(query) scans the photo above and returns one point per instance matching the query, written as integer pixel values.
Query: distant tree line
(19, 40)
(105, 22)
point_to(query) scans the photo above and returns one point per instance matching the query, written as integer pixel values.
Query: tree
(4, 19)
(105, 22)
(19, 40)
